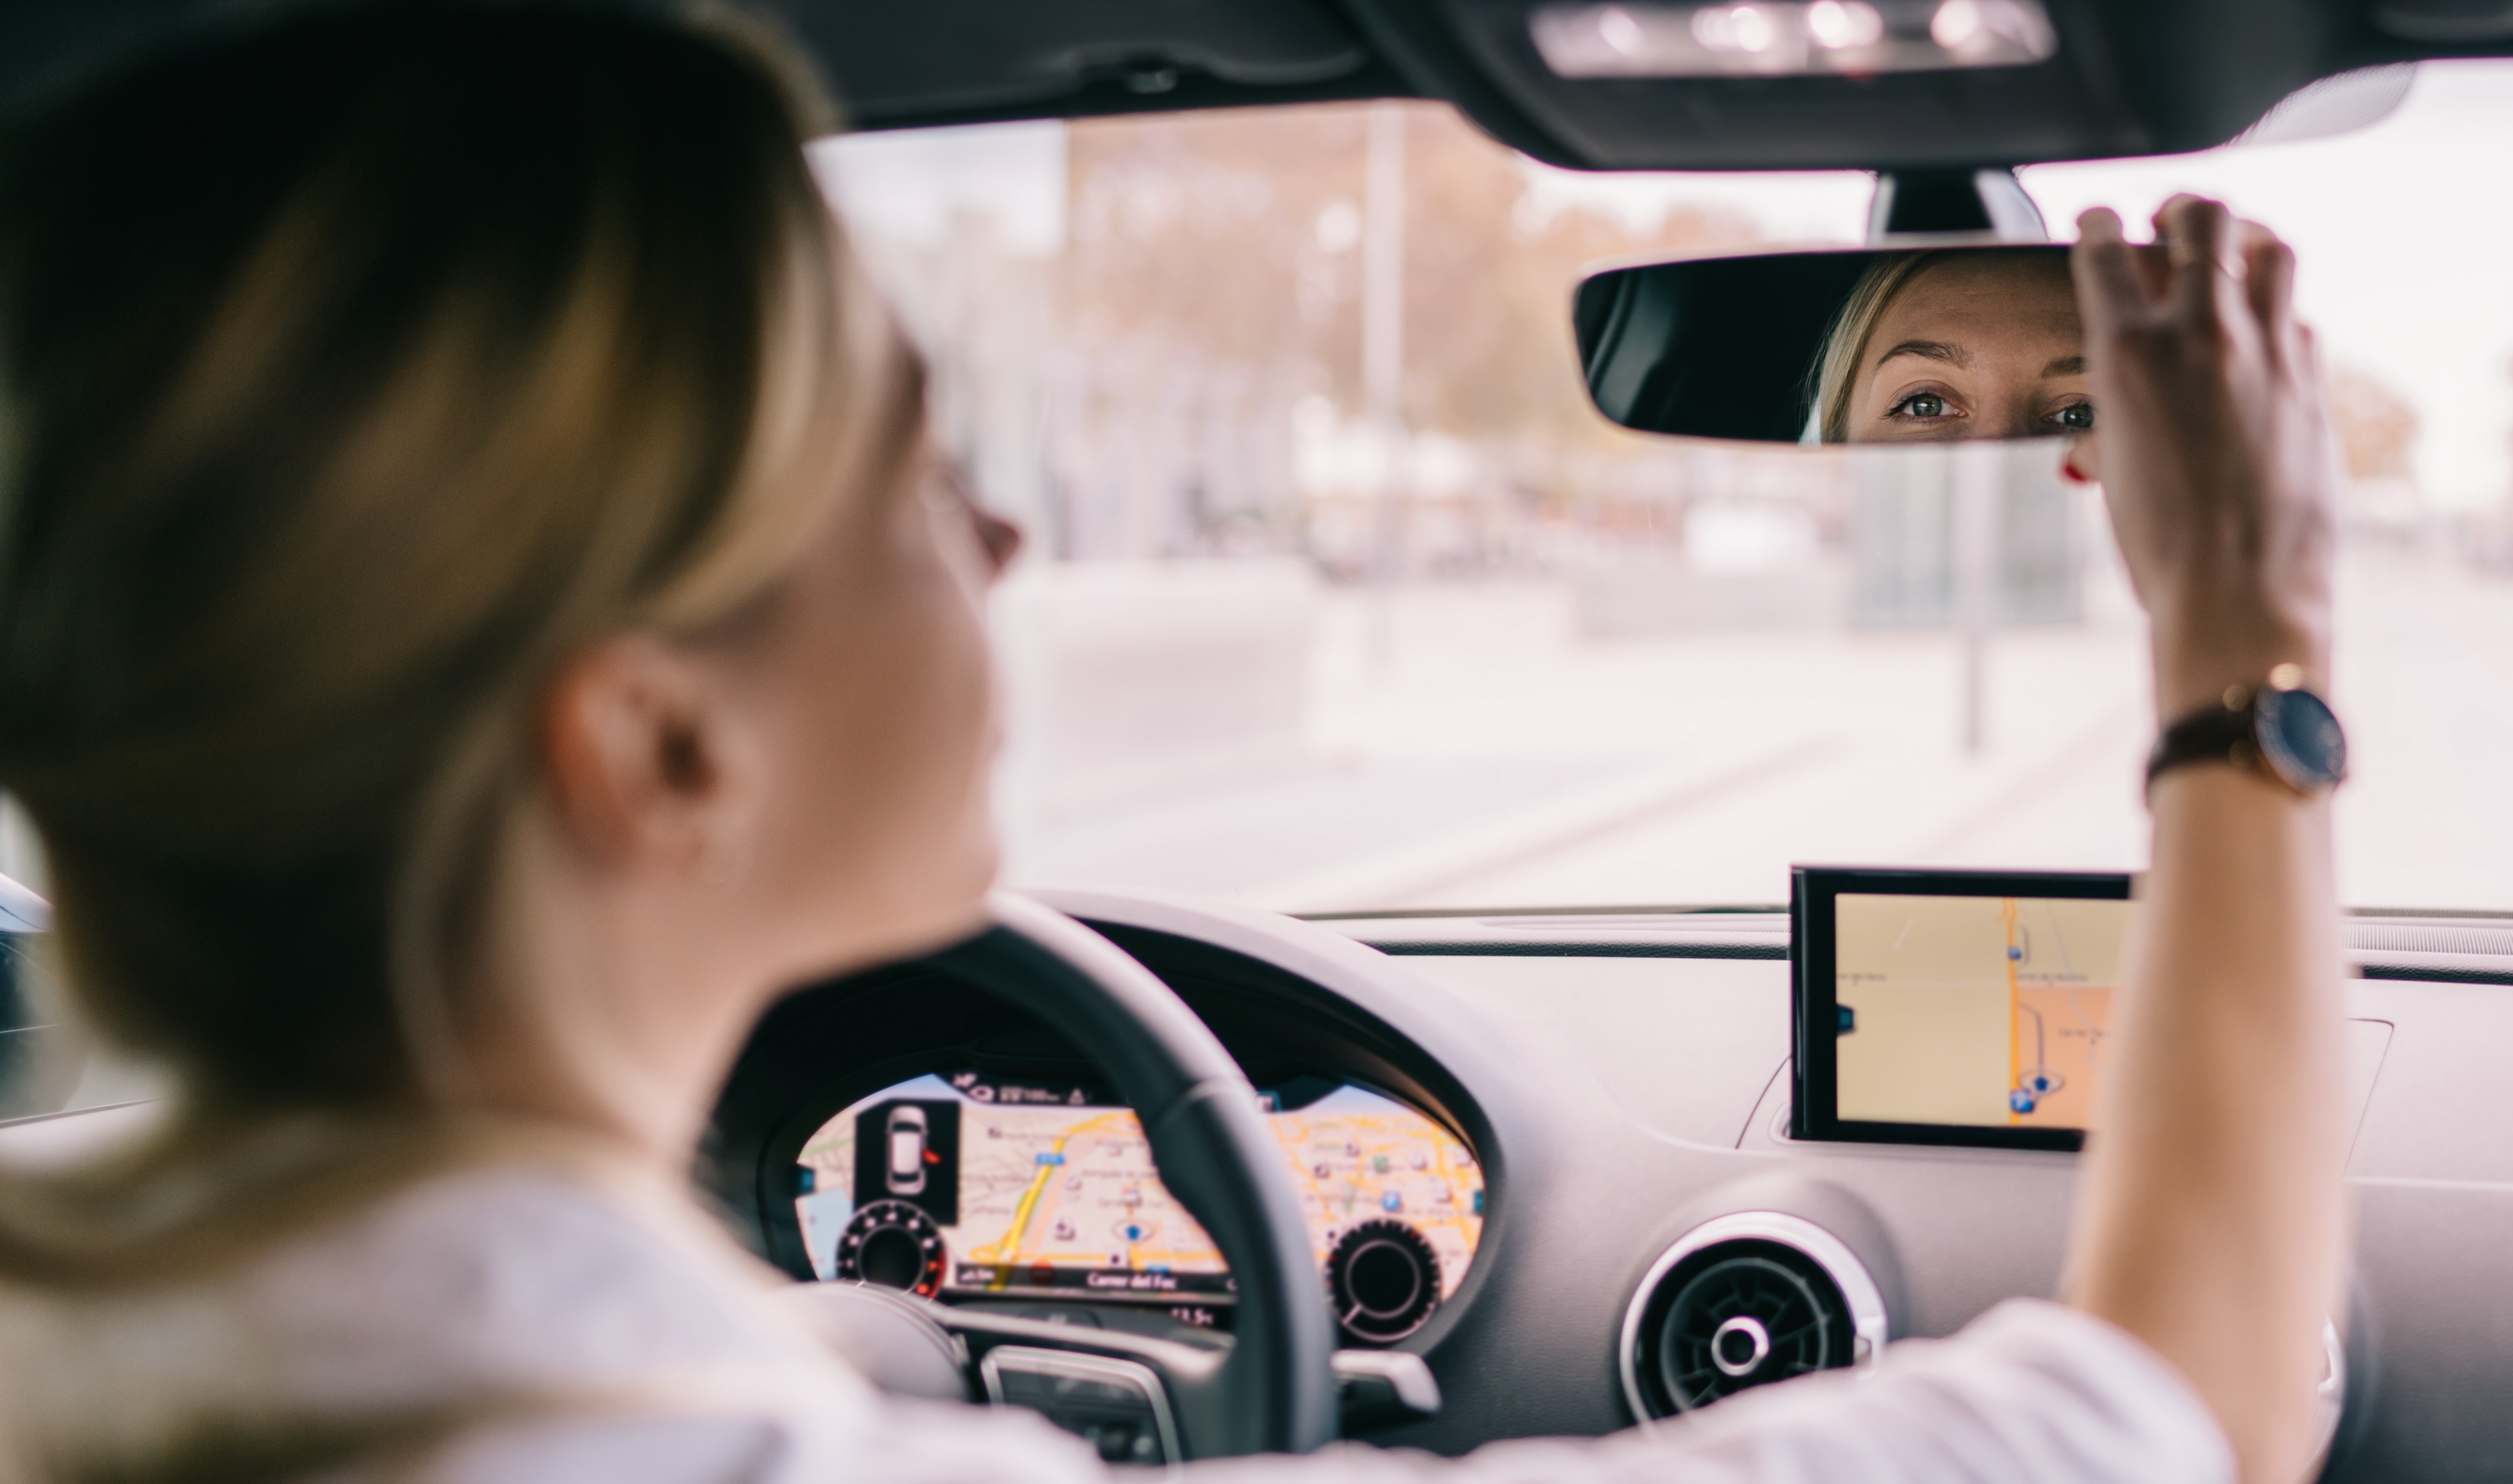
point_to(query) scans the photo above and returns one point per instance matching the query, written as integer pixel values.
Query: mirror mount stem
(1988, 204)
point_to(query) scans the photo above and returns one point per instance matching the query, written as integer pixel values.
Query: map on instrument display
(1979, 1011)
(963, 1185)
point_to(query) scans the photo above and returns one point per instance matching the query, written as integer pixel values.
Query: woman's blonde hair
(357, 369)
(1845, 344)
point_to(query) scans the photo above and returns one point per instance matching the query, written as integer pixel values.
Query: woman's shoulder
(534, 1269)
(507, 1287)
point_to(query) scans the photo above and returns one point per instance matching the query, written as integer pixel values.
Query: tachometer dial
(1384, 1280)
(893, 1244)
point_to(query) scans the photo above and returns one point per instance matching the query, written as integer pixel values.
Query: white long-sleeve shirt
(583, 1328)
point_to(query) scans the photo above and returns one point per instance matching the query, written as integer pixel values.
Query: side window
(47, 1064)
(17, 1012)
(41, 1058)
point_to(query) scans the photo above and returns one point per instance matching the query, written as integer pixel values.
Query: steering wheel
(1276, 1391)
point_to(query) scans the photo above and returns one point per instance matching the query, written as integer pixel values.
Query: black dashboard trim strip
(1519, 949)
(1480, 949)
(2418, 975)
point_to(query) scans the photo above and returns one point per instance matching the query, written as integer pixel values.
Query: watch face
(2300, 740)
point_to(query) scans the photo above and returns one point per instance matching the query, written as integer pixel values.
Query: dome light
(1791, 37)
(1839, 24)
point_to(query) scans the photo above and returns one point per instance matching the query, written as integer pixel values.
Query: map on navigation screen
(1981, 1011)
(1036, 1191)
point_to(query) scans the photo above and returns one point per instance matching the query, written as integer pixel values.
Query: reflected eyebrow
(2067, 366)
(1934, 351)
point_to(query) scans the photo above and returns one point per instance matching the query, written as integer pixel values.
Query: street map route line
(2006, 913)
(1010, 1242)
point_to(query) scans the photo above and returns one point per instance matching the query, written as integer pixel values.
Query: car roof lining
(2157, 77)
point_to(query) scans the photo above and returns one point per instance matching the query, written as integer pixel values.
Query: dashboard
(1622, 1090)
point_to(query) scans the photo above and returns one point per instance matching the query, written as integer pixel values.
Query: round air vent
(1741, 1300)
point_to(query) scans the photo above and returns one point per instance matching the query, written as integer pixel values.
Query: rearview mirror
(1861, 346)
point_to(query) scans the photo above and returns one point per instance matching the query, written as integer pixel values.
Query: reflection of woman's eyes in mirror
(1948, 345)
(1921, 407)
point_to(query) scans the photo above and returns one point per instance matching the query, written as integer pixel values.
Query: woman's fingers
(2108, 290)
(2197, 236)
(2269, 277)
(2268, 272)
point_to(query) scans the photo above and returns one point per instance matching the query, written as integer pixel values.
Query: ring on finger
(2180, 253)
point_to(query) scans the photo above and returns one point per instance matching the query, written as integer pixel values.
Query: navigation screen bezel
(1815, 1005)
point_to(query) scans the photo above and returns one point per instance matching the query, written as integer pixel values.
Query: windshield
(1341, 598)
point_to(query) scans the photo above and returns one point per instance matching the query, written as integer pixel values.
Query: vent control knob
(1739, 1345)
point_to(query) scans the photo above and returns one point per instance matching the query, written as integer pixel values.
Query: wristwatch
(2279, 728)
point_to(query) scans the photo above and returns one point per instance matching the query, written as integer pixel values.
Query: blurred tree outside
(2377, 438)
(2377, 429)
(1211, 317)
(1146, 335)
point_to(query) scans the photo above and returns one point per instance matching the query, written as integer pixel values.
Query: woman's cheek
(960, 715)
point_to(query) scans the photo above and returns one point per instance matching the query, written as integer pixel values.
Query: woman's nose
(998, 536)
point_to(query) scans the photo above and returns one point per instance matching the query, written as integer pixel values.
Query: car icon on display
(904, 1172)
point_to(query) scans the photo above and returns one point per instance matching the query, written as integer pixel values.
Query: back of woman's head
(356, 369)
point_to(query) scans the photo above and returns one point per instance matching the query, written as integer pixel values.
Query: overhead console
(1897, 84)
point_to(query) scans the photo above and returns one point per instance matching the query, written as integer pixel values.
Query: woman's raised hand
(2216, 453)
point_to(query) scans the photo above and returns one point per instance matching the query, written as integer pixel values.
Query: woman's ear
(649, 758)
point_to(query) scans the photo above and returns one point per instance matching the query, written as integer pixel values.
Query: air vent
(1744, 1300)
(2379, 937)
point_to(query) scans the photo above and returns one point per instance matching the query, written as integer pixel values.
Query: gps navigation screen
(1982, 1007)
(968, 1188)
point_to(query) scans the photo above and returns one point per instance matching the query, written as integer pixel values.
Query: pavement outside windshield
(1485, 754)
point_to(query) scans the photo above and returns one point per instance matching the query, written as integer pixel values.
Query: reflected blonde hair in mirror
(1845, 344)
(356, 370)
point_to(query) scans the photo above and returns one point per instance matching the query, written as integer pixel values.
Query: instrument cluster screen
(964, 1187)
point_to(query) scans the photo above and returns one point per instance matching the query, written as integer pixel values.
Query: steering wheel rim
(1276, 1392)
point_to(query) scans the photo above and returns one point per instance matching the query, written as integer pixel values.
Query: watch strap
(2218, 734)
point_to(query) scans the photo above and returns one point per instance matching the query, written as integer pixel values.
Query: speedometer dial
(892, 1244)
